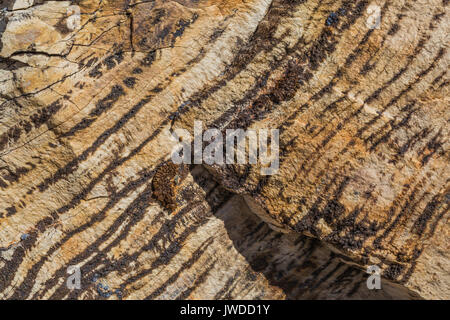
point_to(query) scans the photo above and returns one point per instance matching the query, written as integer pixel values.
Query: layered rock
(90, 95)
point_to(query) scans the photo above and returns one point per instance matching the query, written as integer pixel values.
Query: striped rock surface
(90, 92)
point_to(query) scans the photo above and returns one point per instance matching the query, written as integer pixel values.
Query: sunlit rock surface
(91, 91)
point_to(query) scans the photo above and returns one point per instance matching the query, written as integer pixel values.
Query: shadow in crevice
(304, 268)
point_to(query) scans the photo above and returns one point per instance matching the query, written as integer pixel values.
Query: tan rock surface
(88, 102)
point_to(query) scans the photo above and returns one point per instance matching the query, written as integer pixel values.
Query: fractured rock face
(212, 248)
(363, 135)
(91, 91)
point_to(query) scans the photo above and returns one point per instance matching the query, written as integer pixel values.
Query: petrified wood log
(91, 92)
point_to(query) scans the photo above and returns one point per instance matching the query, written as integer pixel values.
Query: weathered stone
(88, 104)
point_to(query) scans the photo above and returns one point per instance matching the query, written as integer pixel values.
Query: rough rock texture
(90, 92)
